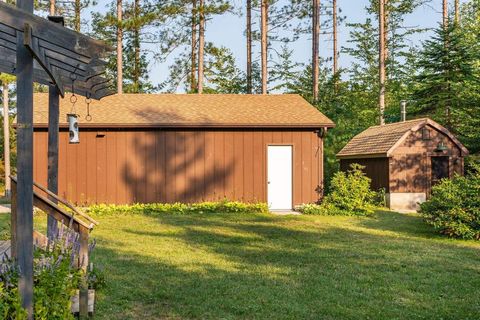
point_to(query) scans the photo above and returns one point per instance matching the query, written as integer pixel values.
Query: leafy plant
(5, 233)
(454, 207)
(350, 194)
(180, 208)
(56, 278)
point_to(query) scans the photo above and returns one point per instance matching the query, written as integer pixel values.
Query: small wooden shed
(188, 148)
(405, 159)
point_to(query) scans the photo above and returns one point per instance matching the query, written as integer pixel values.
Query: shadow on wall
(176, 165)
(409, 173)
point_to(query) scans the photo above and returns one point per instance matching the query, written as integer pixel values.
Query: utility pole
(381, 56)
(6, 139)
(249, 46)
(264, 32)
(315, 39)
(119, 47)
(201, 46)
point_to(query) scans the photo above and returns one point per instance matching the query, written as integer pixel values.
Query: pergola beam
(61, 55)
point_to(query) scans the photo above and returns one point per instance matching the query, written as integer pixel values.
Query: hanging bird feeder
(72, 117)
(72, 120)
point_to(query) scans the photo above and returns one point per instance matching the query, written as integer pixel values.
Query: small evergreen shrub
(350, 194)
(454, 207)
(179, 208)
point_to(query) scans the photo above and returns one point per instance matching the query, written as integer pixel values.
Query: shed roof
(382, 140)
(189, 110)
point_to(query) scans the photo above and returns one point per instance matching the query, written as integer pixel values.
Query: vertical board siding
(127, 166)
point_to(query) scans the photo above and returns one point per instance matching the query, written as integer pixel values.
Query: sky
(228, 30)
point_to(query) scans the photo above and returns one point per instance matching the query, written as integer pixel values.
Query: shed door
(440, 169)
(280, 180)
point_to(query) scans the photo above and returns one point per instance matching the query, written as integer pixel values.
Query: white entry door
(279, 175)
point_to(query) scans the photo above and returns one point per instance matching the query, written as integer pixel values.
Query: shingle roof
(380, 139)
(182, 110)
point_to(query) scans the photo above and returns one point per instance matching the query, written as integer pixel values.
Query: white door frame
(292, 148)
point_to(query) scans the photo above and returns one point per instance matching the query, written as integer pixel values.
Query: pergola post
(24, 203)
(53, 128)
(53, 131)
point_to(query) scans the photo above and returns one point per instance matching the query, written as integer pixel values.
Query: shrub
(454, 207)
(179, 208)
(56, 279)
(5, 232)
(350, 194)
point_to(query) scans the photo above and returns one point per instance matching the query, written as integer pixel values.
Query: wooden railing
(75, 220)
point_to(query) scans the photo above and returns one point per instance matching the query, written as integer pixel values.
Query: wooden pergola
(35, 49)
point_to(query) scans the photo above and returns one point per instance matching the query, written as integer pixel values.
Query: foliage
(10, 304)
(350, 194)
(454, 207)
(179, 208)
(138, 21)
(5, 232)
(446, 87)
(56, 279)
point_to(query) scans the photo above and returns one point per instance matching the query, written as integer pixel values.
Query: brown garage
(188, 148)
(405, 159)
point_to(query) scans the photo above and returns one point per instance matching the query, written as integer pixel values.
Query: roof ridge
(398, 122)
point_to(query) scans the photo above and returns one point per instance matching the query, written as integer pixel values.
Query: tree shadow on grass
(241, 267)
(405, 224)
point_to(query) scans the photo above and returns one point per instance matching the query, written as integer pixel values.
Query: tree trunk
(52, 7)
(264, 43)
(201, 45)
(77, 19)
(381, 56)
(193, 67)
(445, 13)
(119, 47)
(136, 37)
(385, 34)
(457, 11)
(315, 40)
(6, 139)
(249, 46)
(335, 37)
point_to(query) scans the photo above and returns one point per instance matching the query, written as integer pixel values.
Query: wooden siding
(410, 164)
(375, 168)
(127, 166)
(408, 170)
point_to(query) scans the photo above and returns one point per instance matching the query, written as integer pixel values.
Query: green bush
(179, 208)
(454, 207)
(56, 278)
(350, 194)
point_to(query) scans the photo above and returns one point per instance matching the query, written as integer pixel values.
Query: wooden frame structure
(37, 50)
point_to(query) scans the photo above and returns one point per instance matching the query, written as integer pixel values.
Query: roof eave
(362, 156)
(193, 125)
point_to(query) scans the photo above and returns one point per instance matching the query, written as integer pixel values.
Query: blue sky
(227, 30)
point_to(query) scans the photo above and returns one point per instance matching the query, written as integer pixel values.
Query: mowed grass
(221, 266)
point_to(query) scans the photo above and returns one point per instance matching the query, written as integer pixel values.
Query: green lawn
(390, 266)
